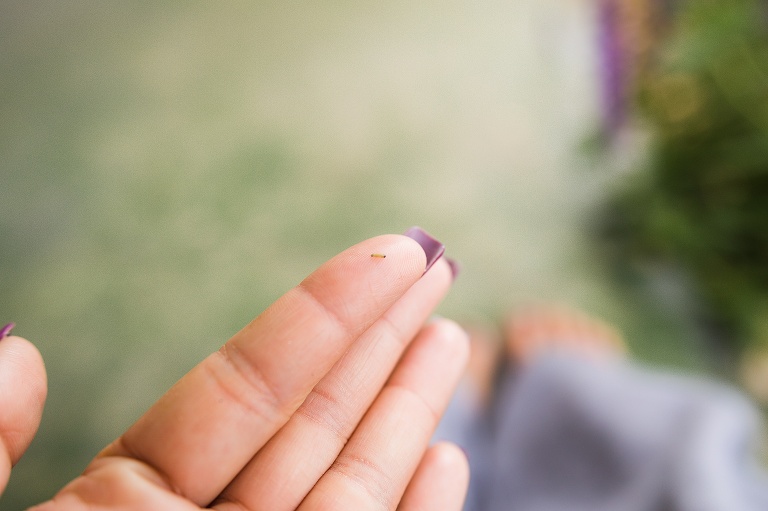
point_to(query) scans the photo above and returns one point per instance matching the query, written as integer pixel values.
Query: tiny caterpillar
(380, 256)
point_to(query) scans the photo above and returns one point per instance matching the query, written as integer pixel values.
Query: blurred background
(168, 169)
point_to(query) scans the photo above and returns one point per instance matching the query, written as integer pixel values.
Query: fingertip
(434, 362)
(452, 337)
(450, 463)
(439, 276)
(23, 390)
(24, 356)
(440, 482)
(392, 258)
(360, 287)
(449, 457)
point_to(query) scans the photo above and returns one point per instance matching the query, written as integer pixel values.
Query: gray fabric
(571, 434)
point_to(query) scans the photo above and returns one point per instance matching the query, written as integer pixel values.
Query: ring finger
(375, 467)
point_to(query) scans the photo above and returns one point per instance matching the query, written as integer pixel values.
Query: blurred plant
(628, 31)
(699, 82)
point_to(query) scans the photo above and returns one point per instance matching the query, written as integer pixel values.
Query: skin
(325, 401)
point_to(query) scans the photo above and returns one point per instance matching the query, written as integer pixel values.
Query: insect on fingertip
(379, 256)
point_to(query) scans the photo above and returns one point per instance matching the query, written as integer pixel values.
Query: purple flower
(613, 70)
(618, 60)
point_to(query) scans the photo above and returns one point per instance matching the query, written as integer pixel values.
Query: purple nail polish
(6, 330)
(432, 248)
(454, 265)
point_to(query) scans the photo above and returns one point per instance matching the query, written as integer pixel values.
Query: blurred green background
(700, 200)
(168, 169)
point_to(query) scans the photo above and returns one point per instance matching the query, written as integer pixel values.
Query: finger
(117, 484)
(23, 387)
(373, 470)
(282, 473)
(440, 483)
(206, 428)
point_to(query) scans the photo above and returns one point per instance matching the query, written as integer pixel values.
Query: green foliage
(701, 200)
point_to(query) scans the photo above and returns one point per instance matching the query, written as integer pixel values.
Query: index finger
(201, 433)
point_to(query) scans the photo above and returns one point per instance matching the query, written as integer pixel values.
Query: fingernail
(432, 248)
(6, 330)
(454, 265)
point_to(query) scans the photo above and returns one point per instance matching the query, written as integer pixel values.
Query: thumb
(23, 387)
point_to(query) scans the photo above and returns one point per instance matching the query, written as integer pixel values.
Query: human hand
(326, 401)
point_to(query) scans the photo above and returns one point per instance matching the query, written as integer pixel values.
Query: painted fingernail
(432, 248)
(454, 265)
(6, 330)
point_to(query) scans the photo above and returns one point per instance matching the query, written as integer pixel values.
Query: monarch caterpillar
(380, 256)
